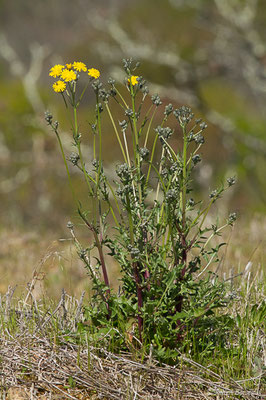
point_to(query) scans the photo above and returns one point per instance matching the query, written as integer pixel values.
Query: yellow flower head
(69, 66)
(94, 73)
(134, 80)
(79, 66)
(59, 86)
(68, 75)
(56, 70)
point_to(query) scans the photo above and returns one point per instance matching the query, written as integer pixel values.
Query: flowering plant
(162, 241)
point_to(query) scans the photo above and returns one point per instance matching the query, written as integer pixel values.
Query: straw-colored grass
(42, 355)
(40, 360)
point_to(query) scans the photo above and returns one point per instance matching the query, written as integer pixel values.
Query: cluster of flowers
(68, 73)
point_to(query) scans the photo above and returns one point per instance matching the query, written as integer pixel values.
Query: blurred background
(207, 54)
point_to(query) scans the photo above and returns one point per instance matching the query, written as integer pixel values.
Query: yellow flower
(68, 75)
(94, 73)
(133, 79)
(79, 66)
(69, 66)
(59, 86)
(56, 70)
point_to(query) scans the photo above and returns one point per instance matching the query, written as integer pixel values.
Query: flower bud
(196, 159)
(134, 252)
(129, 112)
(199, 139)
(48, 117)
(231, 181)
(74, 158)
(156, 100)
(171, 195)
(123, 125)
(111, 81)
(144, 152)
(232, 218)
(213, 194)
(184, 115)
(168, 109)
(70, 225)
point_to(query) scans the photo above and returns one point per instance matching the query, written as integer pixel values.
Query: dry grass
(38, 361)
(55, 265)
(39, 354)
(51, 263)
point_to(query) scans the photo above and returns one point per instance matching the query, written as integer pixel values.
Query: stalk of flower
(153, 152)
(116, 132)
(99, 126)
(98, 171)
(133, 81)
(149, 127)
(69, 76)
(54, 126)
(123, 123)
(126, 106)
(123, 126)
(204, 213)
(94, 74)
(96, 181)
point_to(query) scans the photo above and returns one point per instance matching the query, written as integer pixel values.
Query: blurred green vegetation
(33, 186)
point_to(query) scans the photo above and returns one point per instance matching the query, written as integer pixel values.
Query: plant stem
(184, 180)
(149, 127)
(140, 298)
(116, 132)
(126, 146)
(100, 251)
(151, 160)
(66, 166)
(121, 97)
(160, 171)
(136, 136)
(130, 221)
(77, 141)
(100, 140)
